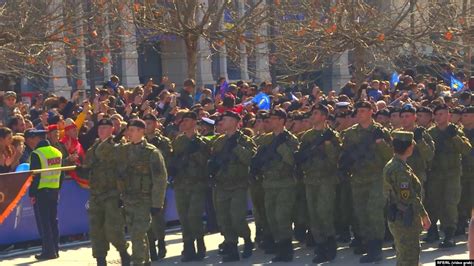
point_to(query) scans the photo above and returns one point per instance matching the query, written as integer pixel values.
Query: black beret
(105, 122)
(363, 104)
(457, 110)
(342, 114)
(408, 108)
(150, 117)
(393, 109)
(384, 112)
(320, 107)
(424, 109)
(306, 115)
(442, 106)
(191, 115)
(278, 112)
(232, 114)
(137, 123)
(468, 110)
(262, 115)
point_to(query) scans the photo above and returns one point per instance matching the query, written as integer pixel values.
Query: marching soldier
(274, 160)
(402, 191)
(190, 180)
(443, 186)
(142, 174)
(317, 157)
(231, 153)
(158, 223)
(366, 150)
(467, 178)
(105, 215)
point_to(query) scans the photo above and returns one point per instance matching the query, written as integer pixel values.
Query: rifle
(192, 147)
(222, 158)
(266, 154)
(306, 152)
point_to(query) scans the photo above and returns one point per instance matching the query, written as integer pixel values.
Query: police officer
(467, 179)
(402, 191)
(44, 192)
(443, 186)
(158, 222)
(105, 215)
(318, 154)
(231, 153)
(142, 175)
(190, 183)
(366, 150)
(275, 161)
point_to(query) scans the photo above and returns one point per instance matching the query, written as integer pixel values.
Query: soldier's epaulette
(378, 125)
(150, 146)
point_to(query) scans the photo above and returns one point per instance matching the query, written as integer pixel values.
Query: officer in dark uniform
(44, 192)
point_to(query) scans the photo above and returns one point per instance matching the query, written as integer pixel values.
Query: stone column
(244, 72)
(129, 50)
(58, 83)
(340, 71)
(262, 68)
(204, 61)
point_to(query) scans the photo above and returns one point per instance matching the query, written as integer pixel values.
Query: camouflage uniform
(443, 186)
(366, 179)
(143, 180)
(320, 178)
(190, 181)
(402, 190)
(105, 215)
(158, 222)
(231, 182)
(300, 214)
(467, 185)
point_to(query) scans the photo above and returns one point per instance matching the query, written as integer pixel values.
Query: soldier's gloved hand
(378, 134)
(155, 211)
(418, 133)
(451, 131)
(327, 135)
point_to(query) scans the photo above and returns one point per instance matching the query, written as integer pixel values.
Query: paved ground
(81, 254)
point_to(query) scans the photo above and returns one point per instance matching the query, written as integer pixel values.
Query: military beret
(191, 115)
(424, 109)
(151, 117)
(231, 114)
(363, 104)
(403, 135)
(468, 110)
(341, 114)
(384, 112)
(137, 123)
(9, 94)
(105, 122)
(33, 132)
(408, 108)
(393, 109)
(279, 112)
(262, 115)
(442, 106)
(306, 115)
(457, 110)
(320, 107)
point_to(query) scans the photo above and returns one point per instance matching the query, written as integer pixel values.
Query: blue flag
(456, 84)
(262, 101)
(394, 79)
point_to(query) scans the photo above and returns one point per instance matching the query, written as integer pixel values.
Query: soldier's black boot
(448, 241)
(320, 252)
(201, 249)
(310, 240)
(344, 235)
(374, 252)
(258, 235)
(223, 248)
(299, 232)
(331, 248)
(101, 261)
(461, 227)
(432, 235)
(152, 247)
(360, 247)
(269, 245)
(232, 254)
(125, 258)
(248, 248)
(189, 252)
(284, 251)
(161, 249)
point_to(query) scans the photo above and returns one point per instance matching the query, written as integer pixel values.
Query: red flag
(12, 188)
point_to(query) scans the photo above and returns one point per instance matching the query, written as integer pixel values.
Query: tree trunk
(360, 68)
(191, 55)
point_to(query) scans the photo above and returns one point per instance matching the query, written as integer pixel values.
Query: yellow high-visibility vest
(50, 157)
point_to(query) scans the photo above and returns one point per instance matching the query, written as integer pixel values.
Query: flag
(228, 20)
(262, 101)
(456, 84)
(394, 79)
(223, 89)
(12, 188)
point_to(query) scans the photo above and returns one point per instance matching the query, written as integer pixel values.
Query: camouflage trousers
(467, 198)
(158, 225)
(106, 225)
(407, 242)
(300, 215)
(442, 199)
(321, 202)
(231, 209)
(190, 204)
(138, 218)
(344, 213)
(368, 203)
(257, 195)
(279, 205)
